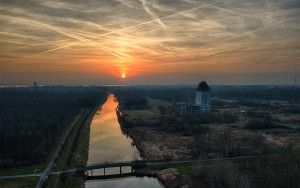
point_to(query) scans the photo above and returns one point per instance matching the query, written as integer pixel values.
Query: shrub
(228, 117)
(266, 123)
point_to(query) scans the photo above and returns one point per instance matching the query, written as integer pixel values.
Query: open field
(29, 182)
(159, 133)
(22, 170)
(156, 142)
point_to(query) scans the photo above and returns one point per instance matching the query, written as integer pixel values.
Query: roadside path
(44, 176)
(20, 176)
(157, 163)
(146, 163)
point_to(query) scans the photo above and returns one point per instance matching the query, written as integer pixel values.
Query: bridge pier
(104, 171)
(120, 170)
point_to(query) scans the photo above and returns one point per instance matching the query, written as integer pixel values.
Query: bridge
(136, 166)
(141, 167)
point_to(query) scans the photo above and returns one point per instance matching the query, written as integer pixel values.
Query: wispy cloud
(154, 33)
(152, 14)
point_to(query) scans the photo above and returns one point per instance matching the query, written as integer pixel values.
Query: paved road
(44, 176)
(19, 176)
(153, 163)
(47, 172)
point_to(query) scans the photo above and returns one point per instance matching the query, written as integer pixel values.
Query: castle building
(202, 101)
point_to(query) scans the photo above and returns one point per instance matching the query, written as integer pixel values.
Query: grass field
(148, 113)
(29, 182)
(23, 170)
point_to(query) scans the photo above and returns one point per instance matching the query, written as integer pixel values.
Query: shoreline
(168, 177)
(79, 156)
(128, 132)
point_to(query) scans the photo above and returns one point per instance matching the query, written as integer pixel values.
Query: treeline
(265, 171)
(32, 120)
(287, 93)
(182, 93)
(131, 98)
(208, 140)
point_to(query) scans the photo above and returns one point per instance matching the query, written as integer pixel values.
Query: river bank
(73, 154)
(160, 135)
(77, 152)
(154, 144)
(108, 144)
(80, 154)
(157, 145)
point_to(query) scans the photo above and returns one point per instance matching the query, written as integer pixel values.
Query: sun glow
(123, 75)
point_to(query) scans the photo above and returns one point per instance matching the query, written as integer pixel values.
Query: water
(108, 143)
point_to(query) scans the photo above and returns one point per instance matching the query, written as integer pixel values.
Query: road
(141, 163)
(160, 163)
(44, 176)
(20, 176)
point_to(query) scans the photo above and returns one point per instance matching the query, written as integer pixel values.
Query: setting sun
(144, 85)
(232, 44)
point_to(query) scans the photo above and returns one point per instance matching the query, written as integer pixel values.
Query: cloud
(152, 14)
(158, 32)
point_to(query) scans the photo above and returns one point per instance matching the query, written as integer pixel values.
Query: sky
(149, 41)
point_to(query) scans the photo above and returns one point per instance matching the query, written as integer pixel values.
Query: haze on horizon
(149, 42)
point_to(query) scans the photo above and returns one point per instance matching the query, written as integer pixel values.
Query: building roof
(203, 86)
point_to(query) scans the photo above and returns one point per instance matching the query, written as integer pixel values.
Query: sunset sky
(149, 41)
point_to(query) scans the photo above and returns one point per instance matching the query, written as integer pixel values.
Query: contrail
(231, 11)
(13, 42)
(106, 49)
(161, 18)
(152, 14)
(252, 31)
(54, 49)
(245, 33)
(43, 43)
(248, 51)
(21, 36)
(137, 25)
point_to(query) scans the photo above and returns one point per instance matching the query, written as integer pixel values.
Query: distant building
(183, 108)
(201, 104)
(202, 101)
(35, 84)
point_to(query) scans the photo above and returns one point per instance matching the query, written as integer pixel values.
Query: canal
(108, 143)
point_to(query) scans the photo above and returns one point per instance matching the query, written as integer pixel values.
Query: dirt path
(44, 176)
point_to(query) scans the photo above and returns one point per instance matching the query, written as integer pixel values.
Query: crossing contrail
(251, 31)
(118, 54)
(246, 33)
(161, 18)
(74, 36)
(152, 14)
(54, 49)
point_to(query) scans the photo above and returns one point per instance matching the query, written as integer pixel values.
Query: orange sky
(149, 42)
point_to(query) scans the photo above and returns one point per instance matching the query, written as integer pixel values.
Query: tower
(202, 101)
